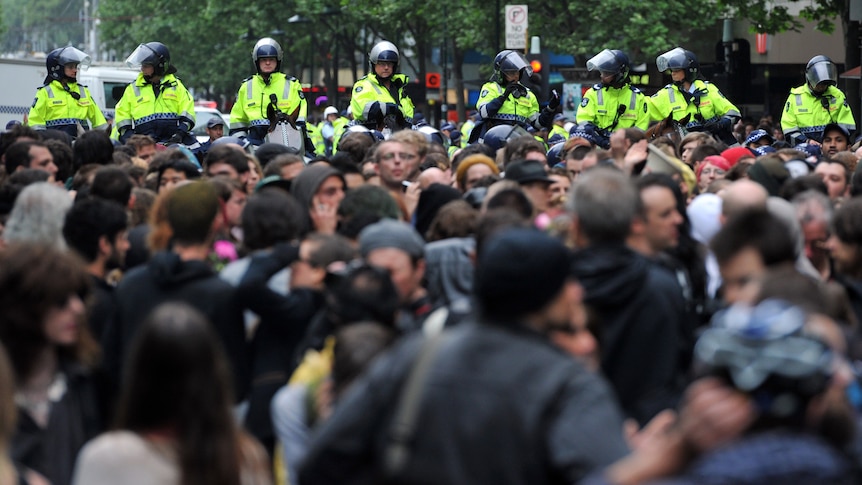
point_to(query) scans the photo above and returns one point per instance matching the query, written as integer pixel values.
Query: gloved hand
(510, 88)
(554, 101)
(175, 139)
(391, 110)
(725, 124)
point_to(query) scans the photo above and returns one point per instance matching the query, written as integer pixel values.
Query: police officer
(61, 103)
(378, 99)
(613, 103)
(157, 103)
(708, 109)
(815, 104)
(249, 114)
(505, 100)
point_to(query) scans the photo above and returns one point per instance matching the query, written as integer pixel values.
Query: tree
(41, 26)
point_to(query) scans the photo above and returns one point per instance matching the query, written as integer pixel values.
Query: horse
(669, 127)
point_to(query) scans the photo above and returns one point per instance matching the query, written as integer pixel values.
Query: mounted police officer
(262, 94)
(709, 110)
(613, 103)
(61, 103)
(815, 104)
(505, 100)
(378, 99)
(157, 103)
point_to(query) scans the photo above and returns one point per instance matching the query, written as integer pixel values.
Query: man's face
(560, 188)
(42, 159)
(119, 247)
(476, 173)
(215, 132)
(741, 276)
(678, 75)
(575, 167)
(833, 142)
(147, 152)
(330, 192)
(289, 172)
(267, 64)
(844, 254)
(687, 149)
(833, 175)
(537, 156)
(816, 234)
(539, 194)
(662, 218)
(384, 69)
(396, 162)
(71, 70)
(405, 277)
(170, 178)
(222, 169)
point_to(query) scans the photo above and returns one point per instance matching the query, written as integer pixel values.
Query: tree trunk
(458, 75)
(852, 53)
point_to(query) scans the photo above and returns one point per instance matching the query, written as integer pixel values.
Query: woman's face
(63, 322)
(253, 178)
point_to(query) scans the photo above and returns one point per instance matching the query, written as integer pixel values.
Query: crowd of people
(615, 306)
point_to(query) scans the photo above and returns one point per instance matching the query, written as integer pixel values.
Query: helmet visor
(604, 61)
(71, 55)
(822, 72)
(140, 56)
(515, 63)
(673, 59)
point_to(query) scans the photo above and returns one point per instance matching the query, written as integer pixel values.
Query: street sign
(516, 27)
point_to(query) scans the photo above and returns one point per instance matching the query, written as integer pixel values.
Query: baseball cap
(527, 171)
(756, 135)
(215, 121)
(836, 126)
(390, 233)
(330, 111)
(560, 117)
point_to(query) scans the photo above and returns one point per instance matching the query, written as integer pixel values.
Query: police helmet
(267, 47)
(433, 135)
(384, 51)
(498, 136)
(555, 154)
(821, 71)
(611, 62)
(679, 58)
(764, 351)
(154, 54)
(511, 62)
(58, 58)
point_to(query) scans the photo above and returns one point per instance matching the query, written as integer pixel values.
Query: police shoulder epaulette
(291, 79)
(635, 89)
(246, 79)
(597, 86)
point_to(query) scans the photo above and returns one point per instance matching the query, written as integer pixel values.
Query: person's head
(399, 249)
(37, 216)
(613, 67)
(845, 243)
(177, 379)
(96, 230)
(745, 247)
(820, 73)
(63, 159)
(659, 220)
(267, 55)
(384, 59)
(144, 145)
(153, 59)
(712, 168)
(533, 180)
(701, 151)
(524, 148)
(191, 211)
(232, 199)
(174, 171)
(319, 184)
(362, 293)
(29, 154)
(474, 168)
(356, 347)
(522, 278)
(559, 190)
(364, 206)
(681, 64)
(835, 139)
(287, 166)
(95, 146)
(113, 184)
(455, 219)
(740, 196)
(690, 142)
(814, 213)
(63, 63)
(835, 175)
(396, 162)
(510, 66)
(271, 216)
(227, 162)
(42, 292)
(604, 202)
(215, 128)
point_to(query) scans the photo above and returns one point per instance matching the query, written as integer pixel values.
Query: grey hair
(38, 216)
(605, 201)
(813, 206)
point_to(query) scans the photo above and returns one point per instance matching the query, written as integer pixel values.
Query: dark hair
(177, 376)
(228, 155)
(494, 221)
(345, 163)
(738, 171)
(838, 161)
(18, 155)
(179, 164)
(356, 346)
(364, 294)
(271, 216)
(34, 279)
(140, 210)
(364, 206)
(89, 220)
(513, 199)
(114, 184)
(475, 148)
(518, 148)
(702, 151)
(847, 222)
(329, 248)
(27, 176)
(795, 186)
(276, 164)
(455, 219)
(756, 229)
(8, 138)
(93, 146)
(139, 141)
(63, 158)
(356, 144)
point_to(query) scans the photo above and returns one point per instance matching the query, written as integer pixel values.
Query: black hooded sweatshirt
(641, 319)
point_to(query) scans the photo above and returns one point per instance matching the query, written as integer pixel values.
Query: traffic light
(538, 82)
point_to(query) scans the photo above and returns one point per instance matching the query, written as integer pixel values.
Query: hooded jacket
(168, 278)
(642, 322)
